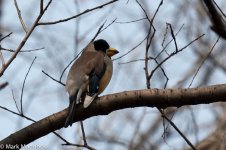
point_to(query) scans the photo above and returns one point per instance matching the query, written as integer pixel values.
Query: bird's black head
(101, 45)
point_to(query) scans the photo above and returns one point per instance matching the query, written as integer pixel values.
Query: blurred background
(129, 129)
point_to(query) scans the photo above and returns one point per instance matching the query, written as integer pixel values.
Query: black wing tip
(67, 123)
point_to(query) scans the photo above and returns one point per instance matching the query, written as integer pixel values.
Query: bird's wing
(94, 63)
(95, 68)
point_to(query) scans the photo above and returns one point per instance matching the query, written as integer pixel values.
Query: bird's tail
(71, 109)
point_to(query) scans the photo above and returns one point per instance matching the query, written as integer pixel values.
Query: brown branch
(173, 36)
(78, 15)
(8, 35)
(20, 17)
(3, 85)
(30, 119)
(125, 22)
(2, 58)
(218, 21)
(53, 78)
(24, 51)
(106, 104)
(172, 54)
(177, 129)
(22, 91)
(24, 40)
(193, 78)
(15, 102)
(137, 45)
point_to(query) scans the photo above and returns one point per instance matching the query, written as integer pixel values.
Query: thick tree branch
(106, 104)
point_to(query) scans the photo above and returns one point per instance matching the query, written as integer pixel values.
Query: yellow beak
(111, 52)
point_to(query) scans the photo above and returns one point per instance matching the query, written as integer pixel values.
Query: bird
(89, 75)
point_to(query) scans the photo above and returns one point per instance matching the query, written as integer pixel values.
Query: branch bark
(106, 104)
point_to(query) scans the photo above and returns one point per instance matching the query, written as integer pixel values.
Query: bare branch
(98, 31)
(218, 22)
(3, 85)
(23, 51)
(8, 35)
(21, 97)
(41, 6)
(193, 78)
(106, 104)
(20, 17)
(15, 102)
(173, 36)
(24, 40)
(177, 129)
(125, 22)
(174, 53)
(131, 49)
(32, 120)
(53, 78)
(2, 57)
(164, 47)
(73, 17)
(108, 25)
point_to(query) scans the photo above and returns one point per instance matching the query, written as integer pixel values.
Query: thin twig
(2, 57)
(53, 78)
(125, 22)
(24, 40)
(61, 76)
(23, 51)
(173, 36)
(79, 145)
(193, 78)
(194, 121)
(21, 97)
(131, 49)
(164, 73)
(77, 26)
(164, 36)
(20, 17)
(18, 114)
(108, 25)
(83, 133)
(15, 102)
(73, 17)
(219, 9)
(3, 85)
(98, 31)
(8, 35)
(137, 128)
(85, 145)
(178, 130)
(41, 6)
(148, 39)
(164, 48)
(174, 53)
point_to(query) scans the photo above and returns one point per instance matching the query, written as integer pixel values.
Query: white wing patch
(88, 100)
